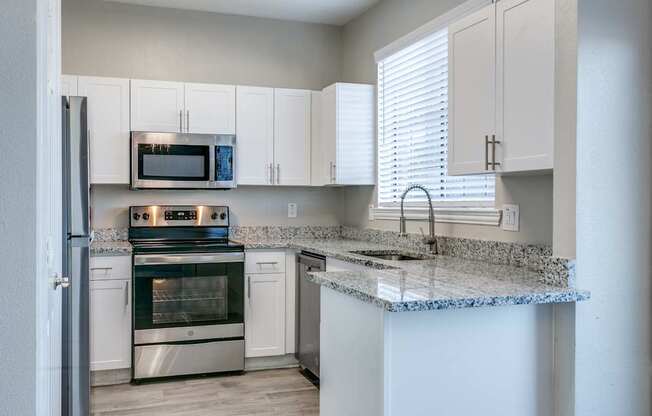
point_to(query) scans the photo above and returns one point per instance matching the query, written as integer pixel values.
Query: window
(413, 130)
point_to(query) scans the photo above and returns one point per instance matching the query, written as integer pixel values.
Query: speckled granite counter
(442, 282)
(110, 248)
(110, 242)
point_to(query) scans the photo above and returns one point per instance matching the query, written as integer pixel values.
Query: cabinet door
(108, 122)
(471, 91)
(292, 136)
(68, 85)
(157, 106)
(329, 134)
(255, 135)
(355, 126)
(210, 108)
(110, 324)
(318, 174)
(265, 315)
(525, 84)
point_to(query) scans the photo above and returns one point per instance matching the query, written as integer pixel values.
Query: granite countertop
(441, 282)
(110, 248)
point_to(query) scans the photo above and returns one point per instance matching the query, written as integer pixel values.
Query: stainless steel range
(188, 292)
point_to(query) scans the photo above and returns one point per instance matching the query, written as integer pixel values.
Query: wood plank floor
(260, 393)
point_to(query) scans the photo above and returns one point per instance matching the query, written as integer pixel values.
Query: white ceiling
(334, 12)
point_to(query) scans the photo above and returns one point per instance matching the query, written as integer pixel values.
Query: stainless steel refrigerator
(76, 240)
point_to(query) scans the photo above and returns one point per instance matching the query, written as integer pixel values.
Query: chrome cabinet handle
(101, 268)
(180, 121)
(486, 152)
(248, 287)
(330, 172)
(261, 263)
(126, 293)
(494, 142)
(188, 121)
(271, 173)
(278, 173)
(334, 179)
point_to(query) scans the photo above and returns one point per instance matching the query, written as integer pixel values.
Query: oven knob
(136, 216)
(214, 216)
(146, 216)
(223, 216)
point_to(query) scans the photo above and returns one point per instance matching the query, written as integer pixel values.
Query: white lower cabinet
(110, 313)
(110, 324)
(265, 304)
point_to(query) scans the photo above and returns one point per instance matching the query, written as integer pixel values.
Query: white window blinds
(413, 129)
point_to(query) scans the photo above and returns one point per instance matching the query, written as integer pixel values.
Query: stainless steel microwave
(182, 161)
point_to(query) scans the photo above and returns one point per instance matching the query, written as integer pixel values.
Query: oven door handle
(195, 258)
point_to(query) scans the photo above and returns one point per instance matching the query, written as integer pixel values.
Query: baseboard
(270, 363)
(110, 377)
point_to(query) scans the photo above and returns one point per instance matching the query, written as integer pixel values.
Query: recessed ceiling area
(332, 12)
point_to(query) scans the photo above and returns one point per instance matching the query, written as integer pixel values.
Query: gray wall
(380, 26)
(120, 40)
(18, 120)
(614, 247)
(249, 205)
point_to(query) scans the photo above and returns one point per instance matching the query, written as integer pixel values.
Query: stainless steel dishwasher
(307, 313)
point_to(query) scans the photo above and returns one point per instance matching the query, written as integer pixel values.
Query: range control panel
(179, 216)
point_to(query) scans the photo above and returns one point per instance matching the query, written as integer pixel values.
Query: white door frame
(48, 232)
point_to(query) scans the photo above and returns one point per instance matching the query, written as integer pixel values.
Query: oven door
(188, 297)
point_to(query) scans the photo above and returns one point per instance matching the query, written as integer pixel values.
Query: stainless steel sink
(388, 255)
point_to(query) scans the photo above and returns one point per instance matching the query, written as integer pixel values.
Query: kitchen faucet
(431, 240)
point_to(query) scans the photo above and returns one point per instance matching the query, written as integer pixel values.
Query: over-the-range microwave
(182, 161)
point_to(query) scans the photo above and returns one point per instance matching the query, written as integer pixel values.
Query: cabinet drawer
(264, 261)
(110, 268)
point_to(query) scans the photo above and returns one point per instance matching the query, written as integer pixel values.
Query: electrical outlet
(511, 217)
(371, 213)
(292, 210)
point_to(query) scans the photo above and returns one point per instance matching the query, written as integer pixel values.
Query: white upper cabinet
(157, 106)
(255, 135)
(318, 172)
(471, 106)
(108, 125)
(525, 84)
(210, 108)
(346, 143)
(502, 89)
(292, 136)
(69, 85)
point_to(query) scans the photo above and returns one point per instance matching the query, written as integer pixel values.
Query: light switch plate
(511, 217)
(292, 210)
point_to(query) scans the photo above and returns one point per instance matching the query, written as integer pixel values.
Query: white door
(292, 136)
(318, 175)
(110, 322)
(210, 108)
(329, 134)
(108, 122)
(526, 84)
(157, 106)
(471, 91)
(255, 135)
(68, 85)
(355, 145)
(265, 315)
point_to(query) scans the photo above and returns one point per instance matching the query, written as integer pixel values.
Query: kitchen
(253, 220)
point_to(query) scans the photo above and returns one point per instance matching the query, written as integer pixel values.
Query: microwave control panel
(179, 216)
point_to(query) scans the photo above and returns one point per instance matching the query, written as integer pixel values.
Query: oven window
(187, 295)
(173, 162)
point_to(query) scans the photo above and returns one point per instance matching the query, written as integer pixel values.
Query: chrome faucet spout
(431, 240)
